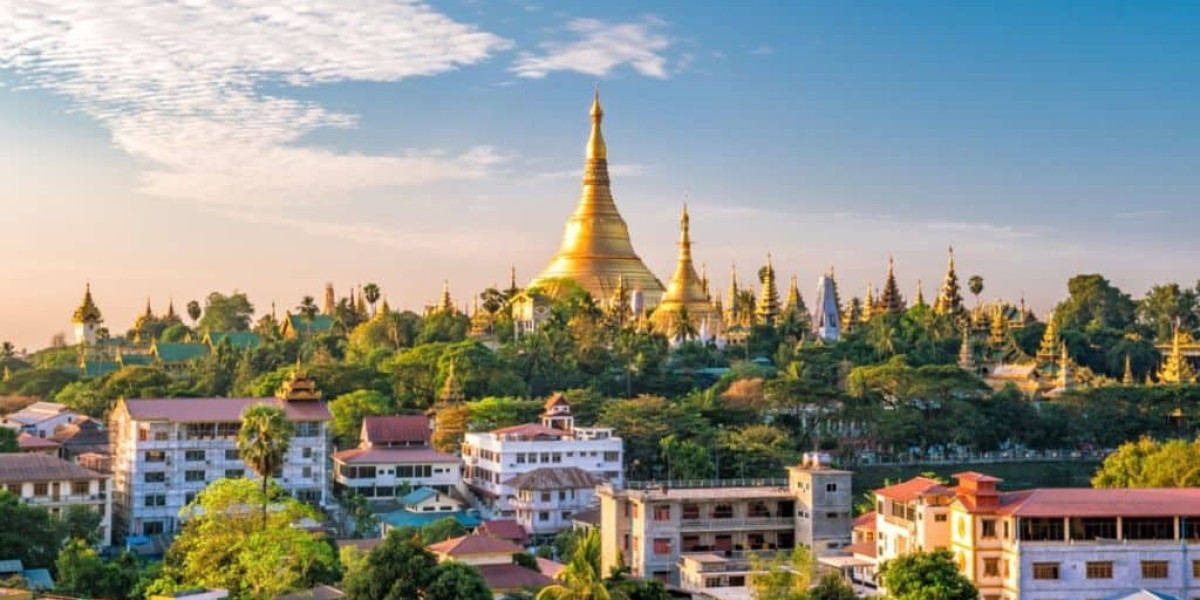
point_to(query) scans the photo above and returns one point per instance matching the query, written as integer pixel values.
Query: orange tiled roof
(914, 488)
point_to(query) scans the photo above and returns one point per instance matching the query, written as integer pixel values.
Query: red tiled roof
(554, 478)
(366, 456)
(864, 549)
(530, 430)
(15, 467)
(865, 522)
(474, 544)
(512, 577)
(548, 567)
(204, 410)
(505, 529)
(914, 488)
(27, 441)
(976, 476)
(1086, 502)
(396, 429)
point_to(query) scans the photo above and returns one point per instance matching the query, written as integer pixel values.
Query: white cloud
(187, 86)
(762, 51)
(601, 47)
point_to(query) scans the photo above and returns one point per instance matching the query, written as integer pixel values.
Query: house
(495, 459)
(166, 451)
(505, 529)
(494, 558)
(28, 442)
(424, 506)
(39, 419)
(85, 435)
(395, 455)
(57, 485)
(657, 529)
(547, 497)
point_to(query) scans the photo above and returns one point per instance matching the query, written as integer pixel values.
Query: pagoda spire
(384, 309)
(1176, 369)
(596, 247)
(87, 312)
(949, 300)
(966, 358)
(704, 280)
(1049, 345)
(446, 304)
(999, 332)
(732, 316)
(452, 392)
(1065, 381)
(171, 309)
(1127, 379)
(920, 294)
(767, 309)
(685, 295)
(891, 301)
(868, 307)
(328, 302)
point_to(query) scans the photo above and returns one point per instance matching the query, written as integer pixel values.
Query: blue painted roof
(418, 495)
(38, 579)
(405, 518)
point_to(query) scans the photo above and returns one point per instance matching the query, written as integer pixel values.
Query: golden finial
(596, 149)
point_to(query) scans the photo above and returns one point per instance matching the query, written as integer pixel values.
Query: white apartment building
(395, 454)
(57, 485)
(166, 451)
(40, 418)
(548, 497)
(494, 458)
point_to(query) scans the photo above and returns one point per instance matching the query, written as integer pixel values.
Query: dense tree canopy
(1149, 464)
(926, 576)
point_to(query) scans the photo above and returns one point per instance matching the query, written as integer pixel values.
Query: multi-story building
(661, 531)
(494, 458)
(911, 515)
(548, 497)
(1049, 543)
(57, 485)
(166, 451)
(39, 418)
(394, 456)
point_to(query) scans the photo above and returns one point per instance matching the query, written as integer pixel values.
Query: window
(40, 489)
(520, 458)
(155, 456)
(14, 489)
(722, 511)
(235, 473)
(991, 567)
(156, 500)
(662, 546)
(232, 455)
(988, 529)
(152, 527)
(306, 472)
(155, 477)
(543, 516)
(1152, 528)
(1099, 570)
(161, 436)
(691, 511)
(306, 453)
(189, 497)
(195, 475)
(305, 429)
(1154, 569)
(831, 487)
(634, 510)
(545, 496)
(557, 457)
(80, 488)
(662, 512)
(1196, 569)
(612, 456)
(193, 455)
(1091, 529)
(143, 435)
(1045, 570)
(940, 518)
(1042, 530)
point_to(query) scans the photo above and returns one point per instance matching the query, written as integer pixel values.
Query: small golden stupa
(596, 250)
(685, 294)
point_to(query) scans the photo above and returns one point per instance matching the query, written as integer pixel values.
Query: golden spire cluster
(685, 298)
(949, 300)
(767, 309)
(1176, 369)
(87, 312)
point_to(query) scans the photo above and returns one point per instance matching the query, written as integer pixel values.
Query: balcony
(729, 561)
(737, 524)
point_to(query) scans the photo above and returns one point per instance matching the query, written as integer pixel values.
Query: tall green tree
(349, 410)
(193, 311)
(1094, 302)
(926, 576)
(975, 284)
(457, 581)
(29, 533)
(1147, 463)
(1164, 306)
(398, 569)
(8, 441)
(263, 442)
(372, 293)
(580, 579)
(226, 313)
(82, 572)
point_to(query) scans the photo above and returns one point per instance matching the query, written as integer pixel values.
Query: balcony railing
(746, 523)
(706, 483)
(734, 561)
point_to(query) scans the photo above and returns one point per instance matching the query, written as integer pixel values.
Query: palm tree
(263, 442)
(193, 310)
(371, 293)
(580, 579)
(7, 350)
(975, 284)
(307, 308)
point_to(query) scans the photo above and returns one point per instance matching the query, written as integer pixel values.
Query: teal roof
(318, 324)
(418, 495)
(99, 368)
(404, 518)
(238, 339)
(179, 352)
(136, 359)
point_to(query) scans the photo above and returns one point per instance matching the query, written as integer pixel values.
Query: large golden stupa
(596, 251)
(685, 297)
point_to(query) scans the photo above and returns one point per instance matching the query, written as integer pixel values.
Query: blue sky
(164, 153)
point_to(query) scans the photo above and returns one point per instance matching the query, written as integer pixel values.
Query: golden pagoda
(766, 311)
(298, 388)
(685, 295)
(949, 300)
(596, 250)
(1176, 369)
(87, 312)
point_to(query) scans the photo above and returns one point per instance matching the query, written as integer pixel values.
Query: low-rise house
(56, 485)
(424, 506)
(505, 529)
(547, 497)
(495, 559)
(27, 442)
(40, 418)
(394, 455)
(85, 435)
